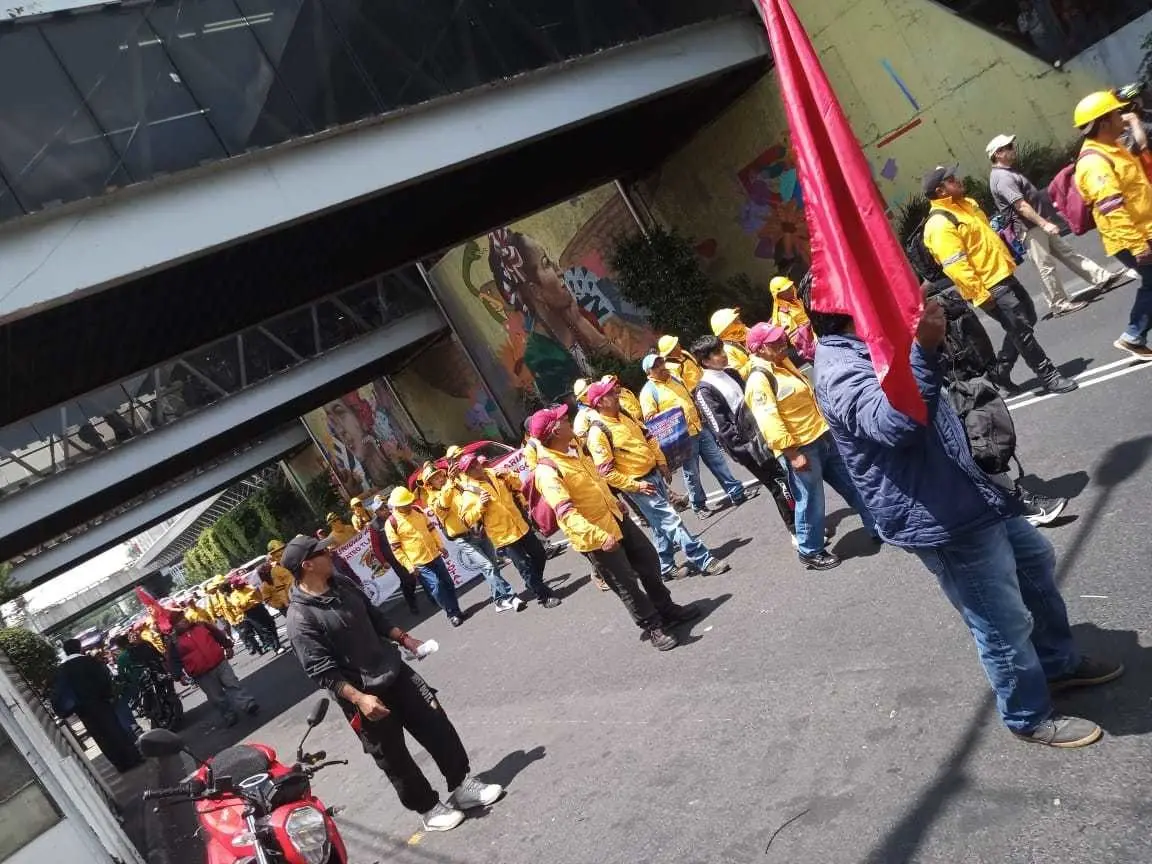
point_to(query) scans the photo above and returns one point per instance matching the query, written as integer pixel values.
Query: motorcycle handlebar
(184, 789)
(314, 768)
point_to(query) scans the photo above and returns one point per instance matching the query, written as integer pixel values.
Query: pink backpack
(540, 510)
(1066, 197)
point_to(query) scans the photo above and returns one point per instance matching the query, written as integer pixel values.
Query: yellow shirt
(413, 540)
(630, 405)
(196, 615)
(686, 369)
(625, 453)
(738, 358)
(445, 504)
(153, 638)
(216, 604)
(580, 424)
(660, 396)
(585, 507)
(1119, 194)
(971, 253)
(340, 532)
(787, 414)
(276, 593)
(503, 522)
(360, 519)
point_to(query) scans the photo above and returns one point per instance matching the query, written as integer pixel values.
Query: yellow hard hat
(355, 502)
(722, 319)
(454, 451)
(1094, 106)
(275, 546)
(780, 283)
(401, 497)
(331, 517)
(427, 470)
(579, 388)
(666, 345)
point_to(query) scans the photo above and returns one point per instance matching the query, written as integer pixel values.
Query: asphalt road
(808, 718)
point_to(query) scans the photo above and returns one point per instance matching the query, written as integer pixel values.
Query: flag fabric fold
(159, 614)
(858, 264)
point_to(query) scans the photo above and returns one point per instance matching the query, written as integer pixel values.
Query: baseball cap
(580, 388)
(997, 143)
(543, 423)
(299, 549)
(598, 391)
(764, 334)
(936, 176)
(648, 362)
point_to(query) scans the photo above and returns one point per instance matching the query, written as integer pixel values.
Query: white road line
(1135, 368)
(1087, 373)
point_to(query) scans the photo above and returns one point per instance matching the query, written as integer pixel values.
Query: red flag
(159, 614)
(858, 265)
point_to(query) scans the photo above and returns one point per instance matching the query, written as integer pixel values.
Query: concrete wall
(1116, 60)
(921, 87)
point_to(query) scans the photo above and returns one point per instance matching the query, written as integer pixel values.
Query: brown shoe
(1064, 732)
(1140, 352)
(661, 639)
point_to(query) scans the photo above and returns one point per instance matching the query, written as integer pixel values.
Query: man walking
(83, 686)
(662, 392)
(930, 497)
(591, 518)
(974, 257)
(419, 549)
(347, 646)
(631, 461)
(1034, 221)
(1113, 183)
(202, 652)
(784, 406)
(383, 552)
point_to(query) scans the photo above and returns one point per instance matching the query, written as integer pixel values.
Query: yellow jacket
(276, 593)
(239, 602)
(738, 358)
(625, 453)
(153, 638)
(580, 424)
(660, 396)
(630, 405)
(787, 413)
(341, 532)
(1119, 194)
(413, 540)
(971, 253)
(503, 522)
(686, 369)
(197, 615)
(360, 519)
(585, 507)
(216, 605)
(445, 503)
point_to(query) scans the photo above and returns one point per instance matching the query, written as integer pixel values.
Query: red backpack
(540, 510)
(1066, 197)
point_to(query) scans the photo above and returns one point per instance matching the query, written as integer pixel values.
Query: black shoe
(676, 614)
(253, 709)
(1087, 673)
(550, 602)
(1005, 384)
(1061, 731)
(456, 620)
(822, 560)
(662, 640)
(1057, 383)
(1039, 510)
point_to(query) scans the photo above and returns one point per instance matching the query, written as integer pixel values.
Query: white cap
(998, 142)
(376, 503)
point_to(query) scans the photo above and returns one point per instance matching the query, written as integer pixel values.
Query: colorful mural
(773, 209)
(535, 300)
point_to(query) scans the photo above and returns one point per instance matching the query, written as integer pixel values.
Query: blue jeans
(667, 527)
(1002, 581)
(824, 464)
(482, 554)
(438, 585)
(1140, 317)
(528, 556)
(706, 448)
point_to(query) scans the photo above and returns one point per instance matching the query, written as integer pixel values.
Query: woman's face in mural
(346, 426)
(545, 282)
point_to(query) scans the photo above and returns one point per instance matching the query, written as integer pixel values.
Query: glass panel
(50, 149)
(15, 772)
(134, 92)
(263, 357)
(26, 811)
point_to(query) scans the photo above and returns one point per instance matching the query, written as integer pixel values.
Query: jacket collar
(851, 343)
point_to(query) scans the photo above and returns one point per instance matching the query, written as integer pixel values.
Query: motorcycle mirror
(319, 712)
(160, 742)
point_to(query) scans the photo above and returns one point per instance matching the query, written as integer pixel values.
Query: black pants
(415, 708)
(1013, 309)
(265, 627)
(246, 630)
(775, 481)
(529, 556)
(632, 571)
(115, 742)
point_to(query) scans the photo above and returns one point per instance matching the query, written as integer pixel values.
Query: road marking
(1138, 366)
(1093, 596)
(415, 839)
(1087, 373)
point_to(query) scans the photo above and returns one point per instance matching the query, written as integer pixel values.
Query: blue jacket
(919, 482)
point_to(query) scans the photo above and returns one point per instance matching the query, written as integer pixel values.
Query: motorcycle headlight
(309, 834)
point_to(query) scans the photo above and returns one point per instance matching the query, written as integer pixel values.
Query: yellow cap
(275, 546)
(722, 319)
(401, 497)
(780, 283)
(1094, 106)
(666, 345)
(331, 517)
(579, 388)
(355, 502)
(454, 451)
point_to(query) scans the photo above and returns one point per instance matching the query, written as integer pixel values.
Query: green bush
(629, 372)
(32, 655)
(662, 274)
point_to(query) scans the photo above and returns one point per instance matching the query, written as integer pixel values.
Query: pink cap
(763, 334)
(599, 390)
(542, 424)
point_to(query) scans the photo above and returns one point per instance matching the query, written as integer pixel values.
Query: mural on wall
(773, 208)
(536, 300)
(363, 439)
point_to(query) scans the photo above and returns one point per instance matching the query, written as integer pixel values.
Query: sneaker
(682, 571)
(252, 710)
(748, 495)
(1040, 510)
(1116, 279)
(716, 568)
(1057, 383)
(704, 512)
(676, 614)
(1140, 352)
(1087, 673)
(504, 605)
(661, 639)
(475, 793)
(1132, 274)
(1063, 307)
(456, 620)
(1061, 731)
(550, 602)
(518, 605)
(822, 560)
(441, 818)
(600, 583)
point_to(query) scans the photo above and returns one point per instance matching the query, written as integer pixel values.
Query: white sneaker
(474, 793)
(518, 604)
(441, 817)
(505, 605)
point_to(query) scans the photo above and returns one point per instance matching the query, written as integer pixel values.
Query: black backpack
(920, 256)
(988, 422)
(967, 347)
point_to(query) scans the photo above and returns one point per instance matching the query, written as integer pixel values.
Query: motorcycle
(252, 808)
(156, 700)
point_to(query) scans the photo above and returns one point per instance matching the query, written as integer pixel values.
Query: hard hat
(579, 388)
(780, 283)
(401, 497)
(454, 451)
(355, 502)
(275, 546)
(331, 517)
(666, 345)
(1094, 106)
(722, 319)
(427, 471)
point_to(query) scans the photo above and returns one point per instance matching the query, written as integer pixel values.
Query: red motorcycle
(252, 808)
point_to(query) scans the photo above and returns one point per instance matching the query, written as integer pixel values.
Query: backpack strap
(947, 214)
(1087, 150)
(771, 378)
(393, 522)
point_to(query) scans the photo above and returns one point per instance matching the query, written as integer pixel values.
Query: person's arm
(1026, 210)
(552, 489)
(761, 401)
(1101, 187)
(648, 401)
(600, 449)
(1137, 131)
(720, 420)
(470, 508)
(512, 481)
(222, 640)
(944, 241)
(396, 546)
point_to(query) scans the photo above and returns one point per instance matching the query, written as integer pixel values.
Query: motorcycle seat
(240, 763)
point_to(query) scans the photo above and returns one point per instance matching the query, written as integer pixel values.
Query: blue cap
(648, 362)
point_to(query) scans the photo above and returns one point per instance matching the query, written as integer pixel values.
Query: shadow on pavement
(857, 544)
(728, 547)
(706, 605)
(509, 768)
(571, 587)
(1120, 707)
(1065, 486)
(1069, 369)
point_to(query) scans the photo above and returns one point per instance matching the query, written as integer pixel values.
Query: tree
(32, 655)
(8, 589)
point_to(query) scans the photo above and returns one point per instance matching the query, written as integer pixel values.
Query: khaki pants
(1045, 251)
